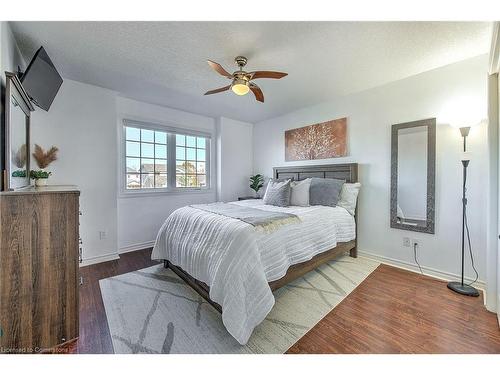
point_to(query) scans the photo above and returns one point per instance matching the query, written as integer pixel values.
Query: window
(191, 160)
(146, 158)
(165, 159)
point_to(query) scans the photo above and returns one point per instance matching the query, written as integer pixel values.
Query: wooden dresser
(39, 254)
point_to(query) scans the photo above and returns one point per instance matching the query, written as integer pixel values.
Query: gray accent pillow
(325, 191)
(278, 193)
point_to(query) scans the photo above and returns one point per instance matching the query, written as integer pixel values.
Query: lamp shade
(465, 131)
(463, 111)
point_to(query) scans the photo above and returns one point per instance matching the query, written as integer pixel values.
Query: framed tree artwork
(319, 141)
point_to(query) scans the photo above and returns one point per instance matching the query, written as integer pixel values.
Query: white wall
(81, 124)
(10, 56)
(140, 218)
(235, 158)
(370, 115)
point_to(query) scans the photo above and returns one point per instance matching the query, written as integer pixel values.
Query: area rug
(153, 311)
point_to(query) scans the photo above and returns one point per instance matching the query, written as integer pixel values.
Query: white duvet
(237, 262)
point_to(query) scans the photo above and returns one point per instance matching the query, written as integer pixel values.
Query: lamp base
(464, 289)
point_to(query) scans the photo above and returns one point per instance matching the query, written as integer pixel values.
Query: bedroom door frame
(493, 220)
(497, 274)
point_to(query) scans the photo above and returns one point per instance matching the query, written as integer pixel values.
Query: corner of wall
(218, 156)
(234, 158)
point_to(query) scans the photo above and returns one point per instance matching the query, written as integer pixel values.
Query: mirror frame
(431, 175)
(14, 88)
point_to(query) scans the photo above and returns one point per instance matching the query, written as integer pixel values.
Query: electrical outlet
(406, 242)
(415, 242)
(102, 235)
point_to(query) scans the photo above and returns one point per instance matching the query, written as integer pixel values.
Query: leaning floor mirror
(413, 165)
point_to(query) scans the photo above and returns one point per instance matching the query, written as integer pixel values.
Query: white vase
(41, 182)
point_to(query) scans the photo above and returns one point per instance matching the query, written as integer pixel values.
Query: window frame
(171, 188)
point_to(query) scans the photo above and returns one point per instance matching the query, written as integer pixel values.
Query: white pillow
(348, 196)
(300, 193)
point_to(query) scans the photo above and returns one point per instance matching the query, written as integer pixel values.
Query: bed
(235, 267)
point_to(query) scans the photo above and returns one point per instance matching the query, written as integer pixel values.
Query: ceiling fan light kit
(240, 86)
(241, 81)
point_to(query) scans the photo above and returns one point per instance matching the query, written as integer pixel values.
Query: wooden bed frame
(347, 172)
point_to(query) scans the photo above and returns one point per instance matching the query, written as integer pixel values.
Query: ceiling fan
(242, 81)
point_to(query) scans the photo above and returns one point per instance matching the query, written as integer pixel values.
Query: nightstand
(245, 198)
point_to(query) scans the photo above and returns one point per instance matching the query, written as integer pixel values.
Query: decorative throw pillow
(325, 191)
(349, 196)
(300, 193)
(277, 193)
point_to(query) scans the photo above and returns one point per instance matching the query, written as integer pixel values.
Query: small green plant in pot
(40, 176)
(256, 183)
(43, 160)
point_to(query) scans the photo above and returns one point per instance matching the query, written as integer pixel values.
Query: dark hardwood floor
(392, 311)
(94, 332)
(396, 311)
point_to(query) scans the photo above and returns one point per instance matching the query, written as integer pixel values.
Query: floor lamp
(459, 286)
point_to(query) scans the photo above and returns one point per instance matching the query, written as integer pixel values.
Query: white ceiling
(165, 62)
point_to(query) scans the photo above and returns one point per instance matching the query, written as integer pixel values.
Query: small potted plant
(40, 176)
(256, 183)
(43, 160)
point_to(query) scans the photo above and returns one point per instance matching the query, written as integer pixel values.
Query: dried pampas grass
(19, 157)
(43, 159)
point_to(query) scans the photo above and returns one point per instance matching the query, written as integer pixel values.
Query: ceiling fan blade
(267, 74)
(218, 90)
(219, 69)
(257, 92)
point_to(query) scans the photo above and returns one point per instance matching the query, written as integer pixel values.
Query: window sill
(143, 194)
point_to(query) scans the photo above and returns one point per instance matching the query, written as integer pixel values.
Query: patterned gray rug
(154, 311)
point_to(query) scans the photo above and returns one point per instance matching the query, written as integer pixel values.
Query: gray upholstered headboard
(347, 172)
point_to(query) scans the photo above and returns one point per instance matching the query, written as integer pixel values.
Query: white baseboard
(113, 256)
(99, 259)
(438, 274)
(135, 247)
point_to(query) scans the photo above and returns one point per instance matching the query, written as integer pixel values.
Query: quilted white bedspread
(237, 262)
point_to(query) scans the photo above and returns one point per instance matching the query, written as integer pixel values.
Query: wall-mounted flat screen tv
(41, 80)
